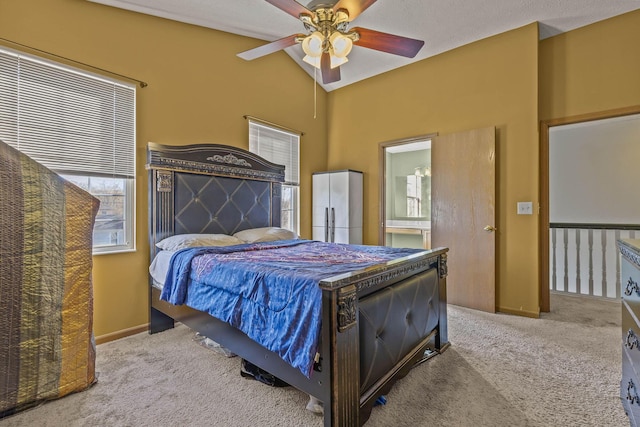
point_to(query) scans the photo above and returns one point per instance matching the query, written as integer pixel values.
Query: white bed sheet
(159, 267)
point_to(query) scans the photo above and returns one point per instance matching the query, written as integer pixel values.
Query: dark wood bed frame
(377, 323)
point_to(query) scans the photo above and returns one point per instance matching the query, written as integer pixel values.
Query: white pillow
(181, 241)
(265, 234)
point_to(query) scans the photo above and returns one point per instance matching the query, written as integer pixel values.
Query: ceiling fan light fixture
(312, 60)
(327, 40)
(312, 45)
(337, 61)
(340, 45)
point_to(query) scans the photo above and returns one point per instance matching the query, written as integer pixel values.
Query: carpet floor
(501, 370)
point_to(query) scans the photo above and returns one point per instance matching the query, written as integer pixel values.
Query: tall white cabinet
(337, 206)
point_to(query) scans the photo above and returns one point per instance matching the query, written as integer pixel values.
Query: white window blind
(72, 122)
(277, 146)
(281, 147)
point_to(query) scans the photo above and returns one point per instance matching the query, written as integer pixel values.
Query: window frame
(108, 98)
(129, 219)
(292, 174)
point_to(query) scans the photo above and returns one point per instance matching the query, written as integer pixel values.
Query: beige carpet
(501, 370)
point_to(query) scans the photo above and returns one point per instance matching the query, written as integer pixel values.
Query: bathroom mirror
(412, 198)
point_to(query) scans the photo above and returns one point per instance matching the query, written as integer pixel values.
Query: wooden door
(463, 214)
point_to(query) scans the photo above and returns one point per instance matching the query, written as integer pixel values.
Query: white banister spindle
(554, 277)
(590, 233)
(592, 260)
(617, 287)
(577, 275)
(603, 234)
(565, 241)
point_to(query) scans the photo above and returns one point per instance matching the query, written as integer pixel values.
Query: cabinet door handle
(632, 286)
(633, 398)
(326, 224)
(631, 341)
(333, 225)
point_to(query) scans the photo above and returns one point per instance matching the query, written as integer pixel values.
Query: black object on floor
(249, 370)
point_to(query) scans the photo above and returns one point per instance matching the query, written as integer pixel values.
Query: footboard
(393, 322)
(380, 325)
(377, 325)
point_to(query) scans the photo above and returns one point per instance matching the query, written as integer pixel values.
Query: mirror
(406, 194)
(412, 197)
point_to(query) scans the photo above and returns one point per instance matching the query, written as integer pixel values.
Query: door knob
(490, 229)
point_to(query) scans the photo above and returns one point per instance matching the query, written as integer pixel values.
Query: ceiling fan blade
(389, 43)
(355, 7)
(268, 48)
(329, 75)
(292, 7)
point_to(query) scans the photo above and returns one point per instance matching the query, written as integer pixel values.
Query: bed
(378, 319)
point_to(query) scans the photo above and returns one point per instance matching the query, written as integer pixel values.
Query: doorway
(461, 212)
(579, 226)
(406, 193)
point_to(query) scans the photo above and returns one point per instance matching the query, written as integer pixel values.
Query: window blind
(277, 146)
(71, 121)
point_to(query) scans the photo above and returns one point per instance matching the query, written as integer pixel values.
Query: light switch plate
(525, 208)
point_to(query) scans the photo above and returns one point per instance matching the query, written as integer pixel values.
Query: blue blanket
(269, 290)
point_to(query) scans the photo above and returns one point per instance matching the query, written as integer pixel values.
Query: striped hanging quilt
(46, 302)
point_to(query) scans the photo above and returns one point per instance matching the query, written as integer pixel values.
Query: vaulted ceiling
(442, 25)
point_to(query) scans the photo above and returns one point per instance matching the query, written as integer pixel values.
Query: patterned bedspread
(269, 290)
(46, 302)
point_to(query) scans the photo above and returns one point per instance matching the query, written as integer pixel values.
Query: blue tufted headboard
(210, 188)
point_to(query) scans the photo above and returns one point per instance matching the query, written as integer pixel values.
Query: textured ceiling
(443, 25)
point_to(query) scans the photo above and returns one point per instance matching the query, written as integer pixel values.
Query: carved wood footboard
(380, 324)
(376, 326)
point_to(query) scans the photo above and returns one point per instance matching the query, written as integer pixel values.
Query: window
(80, 125)
(281, 147)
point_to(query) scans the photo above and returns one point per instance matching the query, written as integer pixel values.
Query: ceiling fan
(329, 41)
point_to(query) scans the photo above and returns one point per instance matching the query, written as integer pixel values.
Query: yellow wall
(492, 82)
(591, 69)
(198, 92)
